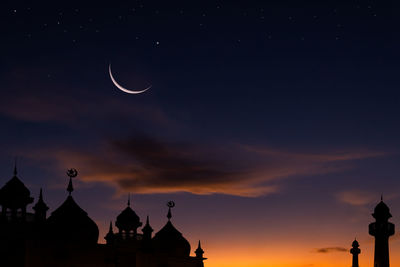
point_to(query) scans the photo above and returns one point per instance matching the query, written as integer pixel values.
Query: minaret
(110, 236)
(355, 251)
(381, 229)
(147, 230)
(40, 209)
(199, 251)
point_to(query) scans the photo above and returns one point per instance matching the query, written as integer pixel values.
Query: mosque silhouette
(68, 237)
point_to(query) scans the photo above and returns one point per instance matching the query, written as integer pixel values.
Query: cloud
(331, 249)
(145, 164)
(356, 197)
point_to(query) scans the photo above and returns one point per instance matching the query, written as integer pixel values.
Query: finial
(381, 197)
(129, 199)
(72, 173)
(110, 229)
(170, 204)
(147, 220)
(199, 246)
(40, 195)
(15, 166)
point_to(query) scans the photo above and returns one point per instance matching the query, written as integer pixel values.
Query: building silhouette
(355, 251)
(69, 237)
(381, 229)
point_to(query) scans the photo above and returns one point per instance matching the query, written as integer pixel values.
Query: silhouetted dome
(355, 244)
(14, 194)
(381, 211)
(71, 224)
(128, 220)
(169, 240)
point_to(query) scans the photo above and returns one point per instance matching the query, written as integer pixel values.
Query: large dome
(128, 220)
(169, 240)
(70, 224)
(14, 194)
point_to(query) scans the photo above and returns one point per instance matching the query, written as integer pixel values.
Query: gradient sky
(273, 125)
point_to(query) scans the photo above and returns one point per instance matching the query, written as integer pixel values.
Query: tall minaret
(381, 229)
(355, 251)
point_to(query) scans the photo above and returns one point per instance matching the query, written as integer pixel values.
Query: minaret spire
(355, 251)
(110, 230)
(110, 235)
(381, 229)
(129, 199)
(72, 173)
(15, 167)
(147, 230)
(40, 208)
(170, 204)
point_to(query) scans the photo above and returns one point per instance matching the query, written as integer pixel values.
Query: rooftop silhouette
(69, 237)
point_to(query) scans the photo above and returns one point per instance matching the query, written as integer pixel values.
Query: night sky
(273, 125)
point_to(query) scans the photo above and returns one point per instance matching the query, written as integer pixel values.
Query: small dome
(14, 194)
(355, 244)
(169, 240)
(71, 224)
(381, 211)
(128, 220)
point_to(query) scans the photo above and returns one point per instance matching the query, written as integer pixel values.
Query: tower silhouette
(381, 229)
(355, 251)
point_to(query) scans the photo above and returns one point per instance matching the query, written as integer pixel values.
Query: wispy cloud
(356, 197)
(360, 197)
(145, 164)
(331, 249)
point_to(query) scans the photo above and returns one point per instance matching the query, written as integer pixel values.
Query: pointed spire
(110, 235)
(72, 173)
(170, 204)
(147, 226)
(110, 230)
(15, 167)
(169, 215)
(147, 230)
(129, 199)
(199, 251)
(70, 187)
(41, 195)
(381, 197)
(40, 208)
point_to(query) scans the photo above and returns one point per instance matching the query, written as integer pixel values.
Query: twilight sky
(273, 125)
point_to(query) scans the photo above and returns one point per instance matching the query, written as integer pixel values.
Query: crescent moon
(120, 87)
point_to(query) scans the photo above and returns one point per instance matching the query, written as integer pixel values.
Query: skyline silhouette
(69, 237)
(272, 124)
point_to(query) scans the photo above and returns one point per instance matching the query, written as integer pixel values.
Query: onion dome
(355, 244)
(128, 220)
(70, 224)
(169, 240)
(381, 211)
(14, 194)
